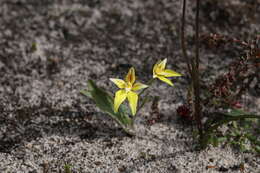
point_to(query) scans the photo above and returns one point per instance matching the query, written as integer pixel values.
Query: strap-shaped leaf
(237, 112)
(105, 103)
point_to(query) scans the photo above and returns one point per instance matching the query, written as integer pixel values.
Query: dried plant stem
(193, 67)
(197, 33)
(196, 78)
(183, 46)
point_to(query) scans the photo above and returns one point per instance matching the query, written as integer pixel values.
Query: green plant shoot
(128, 89)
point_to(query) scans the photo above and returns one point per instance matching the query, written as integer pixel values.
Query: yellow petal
(155, 69)
(119, 98)
(169, 73)
(162, 64)
(130, 77)
(138, 86)
(165, 80)
(133, 99)
(119, 82)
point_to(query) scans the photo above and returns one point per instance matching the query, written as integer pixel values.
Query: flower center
(128, 87)
(158, 70)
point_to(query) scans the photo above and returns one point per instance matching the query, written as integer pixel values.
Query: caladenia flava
(128, 89)
(162, 74)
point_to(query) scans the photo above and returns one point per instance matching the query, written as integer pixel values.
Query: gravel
(50, 48)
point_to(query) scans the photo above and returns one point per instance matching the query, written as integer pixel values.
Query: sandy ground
(50, 48)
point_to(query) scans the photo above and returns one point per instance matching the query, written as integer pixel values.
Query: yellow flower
(161, 73)
(127, 90)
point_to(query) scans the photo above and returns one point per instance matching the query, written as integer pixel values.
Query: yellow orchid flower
(127, 90)
(161, 73)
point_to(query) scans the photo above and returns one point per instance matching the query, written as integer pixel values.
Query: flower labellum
(161, 73)
(127, 90)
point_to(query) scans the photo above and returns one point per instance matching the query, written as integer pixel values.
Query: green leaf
(234, 143)
(222, 139)
(101, 98)
(34, 47)
(253, 139)
(195, 134)
(257, 149)
(235, 124)
(67, 168)
(242, 147)
(237, 112)
(215, 141)
(86, 93)
(105, 103)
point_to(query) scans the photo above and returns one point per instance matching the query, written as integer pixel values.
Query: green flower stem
(146, 99)
(149, 83)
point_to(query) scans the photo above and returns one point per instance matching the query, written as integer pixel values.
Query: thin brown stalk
(196, 77)
(193, 67)
(197, 33)
(183, 46)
